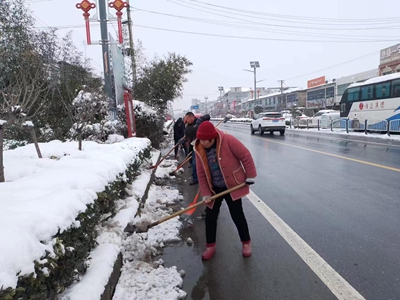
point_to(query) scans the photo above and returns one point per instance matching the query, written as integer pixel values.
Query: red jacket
(235, 162)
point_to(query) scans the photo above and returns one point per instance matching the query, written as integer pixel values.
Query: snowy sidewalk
(141, 278)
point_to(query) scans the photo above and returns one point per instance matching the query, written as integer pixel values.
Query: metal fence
(385, 126)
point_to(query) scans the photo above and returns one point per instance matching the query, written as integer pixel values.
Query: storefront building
(320, 93)
(390, 60)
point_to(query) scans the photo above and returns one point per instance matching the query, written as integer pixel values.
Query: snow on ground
(392, 137)
(42, 196)
(140, 278)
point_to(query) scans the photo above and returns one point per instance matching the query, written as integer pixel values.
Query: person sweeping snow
(223, 162)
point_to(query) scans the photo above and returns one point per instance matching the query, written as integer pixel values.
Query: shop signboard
(316, 82)
(390, 54)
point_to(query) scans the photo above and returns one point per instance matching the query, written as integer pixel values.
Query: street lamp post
(221, 90)
(254, 65)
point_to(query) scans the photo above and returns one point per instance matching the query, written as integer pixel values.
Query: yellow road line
(335, 155)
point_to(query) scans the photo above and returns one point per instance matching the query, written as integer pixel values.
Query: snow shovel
(164, 157)
(144, 227)
(187, 158)
(219, 123)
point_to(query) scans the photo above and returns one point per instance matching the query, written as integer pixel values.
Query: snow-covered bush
(90, 114)
(149, 122)
(68, 261)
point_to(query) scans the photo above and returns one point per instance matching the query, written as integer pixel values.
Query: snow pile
(139, 274)
(42, 196)
(166, 167)
(140, 278)
(114, 138)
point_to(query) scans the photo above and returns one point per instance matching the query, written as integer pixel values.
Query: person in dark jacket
(179, 133)
(190, 135)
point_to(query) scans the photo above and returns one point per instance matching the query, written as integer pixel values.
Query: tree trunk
(2, 178)
(33, 134)
(80, 140)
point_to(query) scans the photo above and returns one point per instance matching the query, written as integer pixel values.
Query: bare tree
(26, 57)
(84, 109)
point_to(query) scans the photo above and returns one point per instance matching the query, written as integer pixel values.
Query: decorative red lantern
(119, 5)
(86, 6)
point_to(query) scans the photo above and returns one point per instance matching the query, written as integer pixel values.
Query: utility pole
(206, 98)
(283, 102)
(131, 44)
(282, 89)
(106, 56)
(255, 84)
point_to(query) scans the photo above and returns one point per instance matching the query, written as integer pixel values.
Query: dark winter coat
(191, 129)
(179, 129)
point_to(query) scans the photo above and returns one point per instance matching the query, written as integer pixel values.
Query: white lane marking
(336, 283)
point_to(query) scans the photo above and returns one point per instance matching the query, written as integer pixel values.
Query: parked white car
(268, 121)
(313, 121)
(326, 120)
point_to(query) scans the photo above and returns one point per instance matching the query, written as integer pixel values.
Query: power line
(264, 38)
(195, 7)
(370, 20)
(333, 66)
(233, 25)
(237, 37)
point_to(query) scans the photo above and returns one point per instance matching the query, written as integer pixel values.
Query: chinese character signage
(390, 54)
(316, 82)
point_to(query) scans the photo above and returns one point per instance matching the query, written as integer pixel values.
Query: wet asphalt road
(341, 196)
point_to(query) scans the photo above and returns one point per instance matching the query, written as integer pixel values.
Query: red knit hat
(206, 131)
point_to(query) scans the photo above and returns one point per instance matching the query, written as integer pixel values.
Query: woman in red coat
(223, 162)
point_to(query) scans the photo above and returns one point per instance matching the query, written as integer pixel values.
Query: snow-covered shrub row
(55, 271)
(149, 122)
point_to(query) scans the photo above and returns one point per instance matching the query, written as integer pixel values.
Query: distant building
(389, 60)
(343, 82)
(275, 101)
(320, 93)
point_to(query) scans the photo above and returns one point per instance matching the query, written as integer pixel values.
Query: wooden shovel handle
(197, 204)
(164, 157)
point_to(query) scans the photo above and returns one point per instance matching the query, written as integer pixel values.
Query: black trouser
(191, 150)
(177, 148)
(236, 210)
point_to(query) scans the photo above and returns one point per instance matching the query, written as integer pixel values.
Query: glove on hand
(181, 141)
(250, 181)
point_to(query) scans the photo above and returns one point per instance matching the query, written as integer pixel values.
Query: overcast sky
(293, 40)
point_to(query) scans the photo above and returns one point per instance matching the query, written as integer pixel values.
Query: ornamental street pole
(106, 56)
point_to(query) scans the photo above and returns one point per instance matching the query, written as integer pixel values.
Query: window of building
(330, 91)
(341, 88)
(396, 88)
(353, 94)
(316, 95)
(387, 70)
(367, 92)
(291, 98)
(382, 90)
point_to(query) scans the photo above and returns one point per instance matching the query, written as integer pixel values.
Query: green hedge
(55, 272)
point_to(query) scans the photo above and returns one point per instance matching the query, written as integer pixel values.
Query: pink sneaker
(210, 251)
(246, 249)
